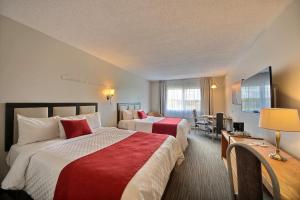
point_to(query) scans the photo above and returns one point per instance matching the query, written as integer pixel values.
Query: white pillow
(135, 114)
(36, 129)
(127, 114)
(93, 119)
(62, 133)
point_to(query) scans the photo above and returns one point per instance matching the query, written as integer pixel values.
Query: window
(181, 101)
(192, 99)
(174, 100)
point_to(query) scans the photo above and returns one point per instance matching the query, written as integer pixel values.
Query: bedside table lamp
(279, 119)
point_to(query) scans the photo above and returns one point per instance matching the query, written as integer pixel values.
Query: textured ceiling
(156, 39)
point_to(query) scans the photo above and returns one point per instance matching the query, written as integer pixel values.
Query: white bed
(145, 125)
(35, 167)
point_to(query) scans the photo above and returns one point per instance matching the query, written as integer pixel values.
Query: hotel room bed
(88, 164)
(36, 168)
(183, 127)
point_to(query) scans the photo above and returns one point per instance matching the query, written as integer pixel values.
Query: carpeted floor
(202, 175)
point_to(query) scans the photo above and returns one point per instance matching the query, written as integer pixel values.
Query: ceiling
(155, 39)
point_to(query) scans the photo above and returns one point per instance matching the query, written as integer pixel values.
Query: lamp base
(277, 156)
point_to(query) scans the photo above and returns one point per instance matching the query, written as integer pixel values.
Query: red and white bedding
(152, 124)
(37, 169)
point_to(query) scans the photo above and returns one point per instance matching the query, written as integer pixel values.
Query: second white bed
(145, 125)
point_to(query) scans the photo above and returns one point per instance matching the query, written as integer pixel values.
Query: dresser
(288, 173)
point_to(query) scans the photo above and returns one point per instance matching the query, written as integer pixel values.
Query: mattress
(145, 125)
(36, 169)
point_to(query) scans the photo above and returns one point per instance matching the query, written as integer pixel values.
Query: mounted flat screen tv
(256, 91)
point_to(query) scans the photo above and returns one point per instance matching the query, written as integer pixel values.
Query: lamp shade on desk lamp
(279, 119)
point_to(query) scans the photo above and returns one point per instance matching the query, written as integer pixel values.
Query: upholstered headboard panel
(39, 110)
(64, 111)
(126, 106)
(87, 109)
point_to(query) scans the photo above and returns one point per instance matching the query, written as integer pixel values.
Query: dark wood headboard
(126, 106)
(10, 115)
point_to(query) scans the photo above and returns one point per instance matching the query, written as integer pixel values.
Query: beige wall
(279, 47)
(154, 96)
(31, 64)
(218, 95)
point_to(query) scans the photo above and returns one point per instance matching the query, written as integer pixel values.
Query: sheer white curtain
(181, 97)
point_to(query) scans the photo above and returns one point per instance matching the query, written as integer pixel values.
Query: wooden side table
(288, 173)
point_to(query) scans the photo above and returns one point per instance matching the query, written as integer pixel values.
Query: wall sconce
(213, 86)
(109, 93)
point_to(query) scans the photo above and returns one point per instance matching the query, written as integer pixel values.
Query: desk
(288, 173)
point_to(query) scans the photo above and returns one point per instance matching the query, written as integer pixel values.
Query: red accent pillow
(142, 114)
(75, 128)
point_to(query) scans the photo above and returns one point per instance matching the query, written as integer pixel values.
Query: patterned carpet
(202, 175)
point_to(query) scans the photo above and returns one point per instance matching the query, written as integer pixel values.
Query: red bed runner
(166, 126)
(104, 174)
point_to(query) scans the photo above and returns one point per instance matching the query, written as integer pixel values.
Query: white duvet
(145, 125)
(37, 169)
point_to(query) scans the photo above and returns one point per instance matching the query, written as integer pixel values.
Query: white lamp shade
(109, 92)
(279, 119)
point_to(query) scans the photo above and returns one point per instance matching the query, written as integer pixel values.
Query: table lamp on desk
(279, 119)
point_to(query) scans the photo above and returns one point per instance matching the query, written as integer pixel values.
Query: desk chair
(216, 125)
(219, 123)
(249, 176)
(198, 124)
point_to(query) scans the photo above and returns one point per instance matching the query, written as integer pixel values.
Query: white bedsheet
(145, 125)
(16, 149)
(36, 170)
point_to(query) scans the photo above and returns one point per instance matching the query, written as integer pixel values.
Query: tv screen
(256, 91)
